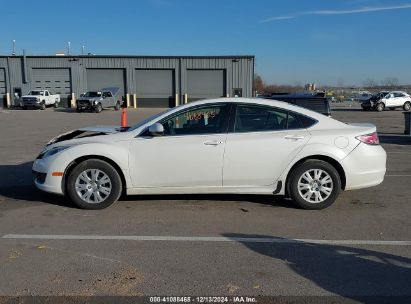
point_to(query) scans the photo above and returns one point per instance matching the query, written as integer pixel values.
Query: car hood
(87, 134)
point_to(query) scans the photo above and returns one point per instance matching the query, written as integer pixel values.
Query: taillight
(369, 139)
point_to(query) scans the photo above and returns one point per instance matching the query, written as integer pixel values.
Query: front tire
(314, 185)
(380, 107)
(42, 105)
(407, 106)
(98, 108)
(94, 184)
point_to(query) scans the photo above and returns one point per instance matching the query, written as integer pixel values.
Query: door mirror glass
(156, 130)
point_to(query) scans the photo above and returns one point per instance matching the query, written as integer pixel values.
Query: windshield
(92, 94)
(36, 93)
(138, 125)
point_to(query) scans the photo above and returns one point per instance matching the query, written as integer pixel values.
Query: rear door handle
(294, 137)
(213, 143)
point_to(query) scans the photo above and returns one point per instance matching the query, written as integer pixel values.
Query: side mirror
(156, 130)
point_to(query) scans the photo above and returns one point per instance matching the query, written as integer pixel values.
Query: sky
(329, 42)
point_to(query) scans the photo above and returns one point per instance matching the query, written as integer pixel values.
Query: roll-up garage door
(202, 84)
(98, 79)
(155, 88)
(56, 81)
(2, 87)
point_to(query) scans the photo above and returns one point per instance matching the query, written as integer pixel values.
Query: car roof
(258, 101)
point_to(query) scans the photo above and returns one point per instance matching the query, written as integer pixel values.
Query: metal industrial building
(145, 81)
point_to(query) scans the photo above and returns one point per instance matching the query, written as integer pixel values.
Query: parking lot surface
(200, 244)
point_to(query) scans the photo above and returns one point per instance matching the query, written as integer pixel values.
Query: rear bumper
(365, 167)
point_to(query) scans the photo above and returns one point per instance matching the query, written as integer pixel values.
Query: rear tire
(117, 106)
(98, 108)
(380, 107)
(407, 106)
(56, 104)
(94, 184)
(314, 185)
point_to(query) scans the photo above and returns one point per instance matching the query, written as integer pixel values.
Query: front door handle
(213, 143)
(294, 137)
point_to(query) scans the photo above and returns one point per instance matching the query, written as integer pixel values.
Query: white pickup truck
(39, 99)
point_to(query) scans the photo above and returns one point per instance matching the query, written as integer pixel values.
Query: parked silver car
(97, 100)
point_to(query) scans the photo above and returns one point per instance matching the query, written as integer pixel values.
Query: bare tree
(258, 84)
(391, 82)
(370, 83)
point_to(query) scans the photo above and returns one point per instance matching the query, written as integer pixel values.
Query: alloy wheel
(93, 186)
(315, 186)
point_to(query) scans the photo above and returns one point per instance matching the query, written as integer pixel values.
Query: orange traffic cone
(123, 118)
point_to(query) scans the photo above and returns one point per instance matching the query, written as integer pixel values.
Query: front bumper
(43, 179)
(365, 166)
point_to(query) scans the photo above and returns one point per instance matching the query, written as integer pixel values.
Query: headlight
(51, 151)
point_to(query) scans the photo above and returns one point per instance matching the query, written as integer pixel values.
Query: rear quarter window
(306, 122)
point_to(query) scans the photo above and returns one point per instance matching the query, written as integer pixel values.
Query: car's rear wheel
(314, 184)
(56, 104)
(407, 106)
(380, 107)
(117, 106)
(94, 184)
(99, 108)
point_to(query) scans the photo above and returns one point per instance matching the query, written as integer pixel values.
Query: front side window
(107, 94)
(259, 118)
(199, 120)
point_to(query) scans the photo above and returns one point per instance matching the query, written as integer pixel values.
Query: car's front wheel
(98, 108)
(94, 184)
(380, 107)
(314, 184)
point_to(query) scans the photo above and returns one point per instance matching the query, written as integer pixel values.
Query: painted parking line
(202, 239)
(397, 175)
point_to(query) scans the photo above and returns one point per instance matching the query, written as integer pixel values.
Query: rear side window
(249, 118)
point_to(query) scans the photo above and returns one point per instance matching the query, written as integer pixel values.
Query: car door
(260, 145)
(106, 99)
(188, 154)
(390, 100)
(47, 98)
(399, 99)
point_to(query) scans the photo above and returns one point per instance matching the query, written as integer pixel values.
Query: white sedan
(227, 145)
